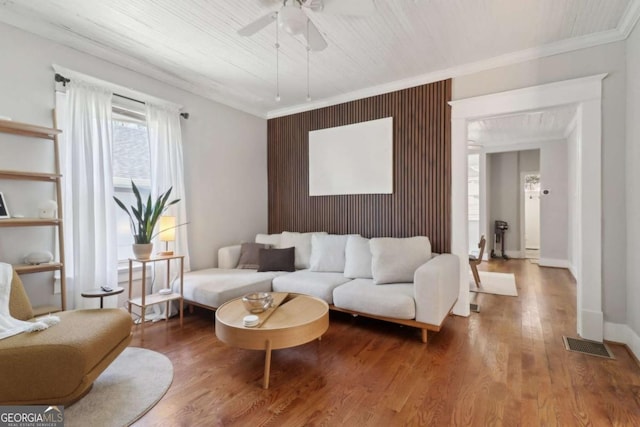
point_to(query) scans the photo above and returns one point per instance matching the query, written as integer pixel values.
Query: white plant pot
(142, 250)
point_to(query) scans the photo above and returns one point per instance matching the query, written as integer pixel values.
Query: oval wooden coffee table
(296, 320)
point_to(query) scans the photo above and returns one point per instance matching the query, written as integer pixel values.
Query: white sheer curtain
(90, 227)
(167, 171)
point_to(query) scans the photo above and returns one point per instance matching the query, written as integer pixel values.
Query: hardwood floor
(504, 366)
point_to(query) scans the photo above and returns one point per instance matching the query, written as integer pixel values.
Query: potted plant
(143, 218)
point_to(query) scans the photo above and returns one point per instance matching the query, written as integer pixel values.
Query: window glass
(131, 161)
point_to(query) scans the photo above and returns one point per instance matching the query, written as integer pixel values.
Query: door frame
(586, 93)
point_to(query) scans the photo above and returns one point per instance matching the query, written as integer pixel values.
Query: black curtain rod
(62, 79)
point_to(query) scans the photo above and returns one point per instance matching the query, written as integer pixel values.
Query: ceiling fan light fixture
(292, 19)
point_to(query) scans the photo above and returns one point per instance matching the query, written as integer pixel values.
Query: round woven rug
(125, 391)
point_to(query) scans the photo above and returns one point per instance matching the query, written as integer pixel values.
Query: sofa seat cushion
(317, 284)
(212, 287)
(53, 363)
(363, 295)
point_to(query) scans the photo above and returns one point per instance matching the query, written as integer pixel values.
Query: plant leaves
(144, 217)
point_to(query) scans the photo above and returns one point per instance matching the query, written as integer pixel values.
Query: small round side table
(99, 293)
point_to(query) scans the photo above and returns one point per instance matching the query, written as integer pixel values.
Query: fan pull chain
(308, 50)
(277, 60)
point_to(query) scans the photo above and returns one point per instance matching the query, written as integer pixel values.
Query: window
(131, 161)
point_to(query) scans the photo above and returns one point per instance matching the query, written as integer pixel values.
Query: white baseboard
(573, 271)
(515, 254)
(552, 262)
(510, 254)
(591, 327)
(623, 334)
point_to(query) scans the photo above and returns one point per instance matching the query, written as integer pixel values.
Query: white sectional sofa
(394, 279)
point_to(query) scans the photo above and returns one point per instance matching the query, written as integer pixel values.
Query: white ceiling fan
(293, 19)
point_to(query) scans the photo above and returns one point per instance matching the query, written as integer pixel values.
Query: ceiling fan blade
(349, 7)
(315, 40)
(258, 24)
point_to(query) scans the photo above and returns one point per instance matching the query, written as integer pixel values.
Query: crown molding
(629, 18)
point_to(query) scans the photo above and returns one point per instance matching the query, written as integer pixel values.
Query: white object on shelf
(48, 209)
(39, 257)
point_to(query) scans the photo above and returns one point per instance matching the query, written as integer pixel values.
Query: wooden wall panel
(421, 199)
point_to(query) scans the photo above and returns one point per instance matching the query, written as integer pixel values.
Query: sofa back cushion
(273, 240)
(328, 252)
(395, 260)
(357, 258)
(302, 244)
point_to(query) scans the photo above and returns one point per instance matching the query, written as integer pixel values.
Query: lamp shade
(167, 228)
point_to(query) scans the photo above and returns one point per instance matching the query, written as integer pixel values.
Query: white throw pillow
(357, 258)
(395, 260)
(272, 240)
(327, 252)
(302, 243)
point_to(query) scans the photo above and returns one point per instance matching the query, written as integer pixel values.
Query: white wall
(504, 189)
(553, 206)
(529, 160)
(611, 59)
(224, 151)
(504, 204)
(633, 184)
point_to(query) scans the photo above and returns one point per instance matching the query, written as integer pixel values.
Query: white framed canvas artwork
(352, 159)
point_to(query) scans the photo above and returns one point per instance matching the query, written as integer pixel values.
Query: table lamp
(167, 233)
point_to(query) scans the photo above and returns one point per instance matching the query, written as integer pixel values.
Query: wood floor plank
(504, 366)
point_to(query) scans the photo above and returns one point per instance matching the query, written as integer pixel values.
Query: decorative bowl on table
(257, 302)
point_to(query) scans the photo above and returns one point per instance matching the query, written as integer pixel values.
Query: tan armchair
(58, 365)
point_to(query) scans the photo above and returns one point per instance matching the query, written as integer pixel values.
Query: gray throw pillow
(277, 259)
(250, 255)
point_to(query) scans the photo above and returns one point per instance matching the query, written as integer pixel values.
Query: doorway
(531, 215)
(586, 94)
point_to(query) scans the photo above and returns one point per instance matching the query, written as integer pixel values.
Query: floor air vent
(587, 347)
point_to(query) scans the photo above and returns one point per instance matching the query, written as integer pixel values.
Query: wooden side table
(146, 300)
(99, 293)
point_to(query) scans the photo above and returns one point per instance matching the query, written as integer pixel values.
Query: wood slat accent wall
(421, 199)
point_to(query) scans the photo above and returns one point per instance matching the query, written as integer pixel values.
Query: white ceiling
(533, 126)
(193, 44)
